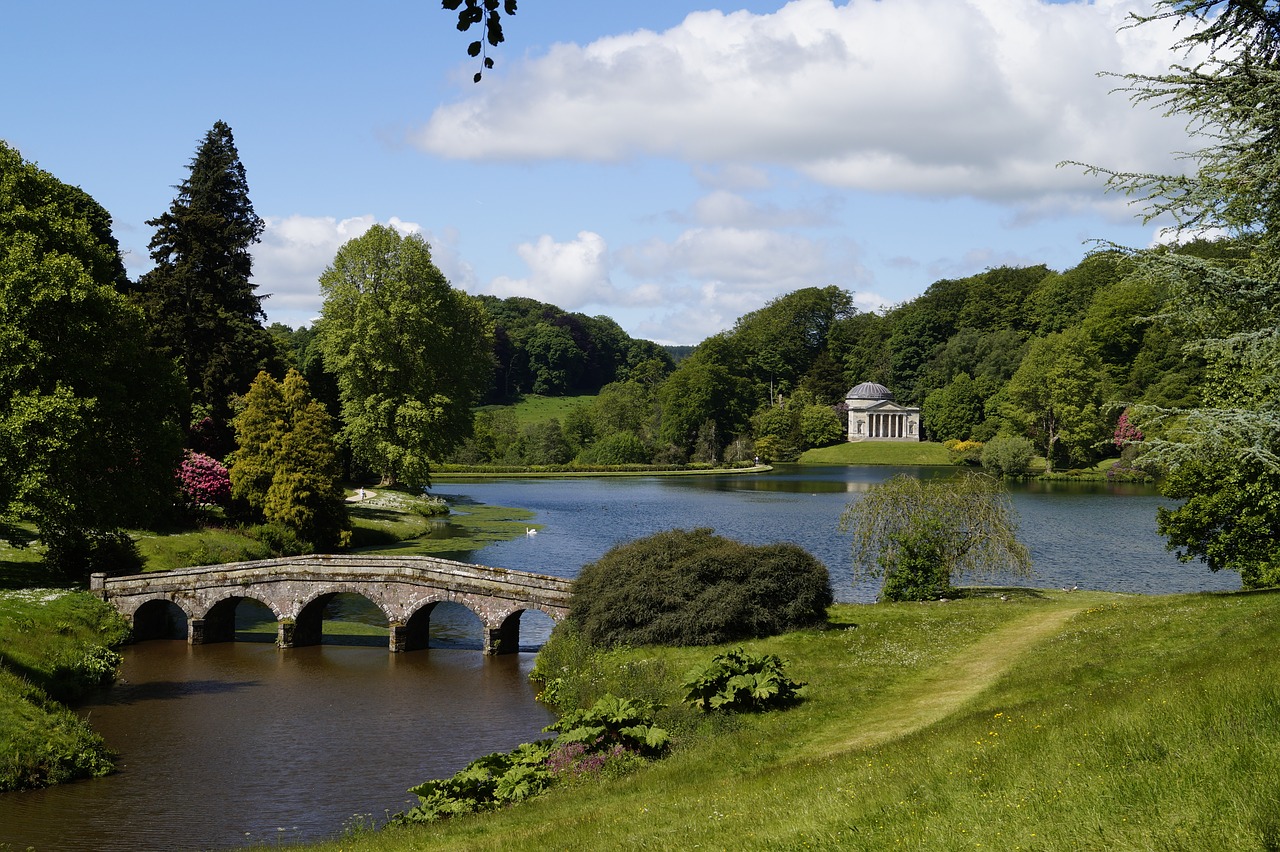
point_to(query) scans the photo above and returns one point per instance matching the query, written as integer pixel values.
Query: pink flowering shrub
(1126, 433)
(203, 480)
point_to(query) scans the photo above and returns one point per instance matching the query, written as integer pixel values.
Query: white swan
(530, 531)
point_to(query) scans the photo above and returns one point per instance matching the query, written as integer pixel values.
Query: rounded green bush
(683, 587)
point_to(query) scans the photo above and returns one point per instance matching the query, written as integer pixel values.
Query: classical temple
(874, 416)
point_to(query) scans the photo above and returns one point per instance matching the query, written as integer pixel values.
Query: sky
(672, 165)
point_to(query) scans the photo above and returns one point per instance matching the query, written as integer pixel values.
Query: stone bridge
(296, 590)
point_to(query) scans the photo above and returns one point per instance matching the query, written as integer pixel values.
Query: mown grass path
(946, 687)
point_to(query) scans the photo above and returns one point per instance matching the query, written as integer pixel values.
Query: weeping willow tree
(1223, 459)
(921, 536)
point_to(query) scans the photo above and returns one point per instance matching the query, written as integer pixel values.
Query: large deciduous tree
(411, 354)
(1056, 398)
(87, 440)
(922, 535)
(201, 305)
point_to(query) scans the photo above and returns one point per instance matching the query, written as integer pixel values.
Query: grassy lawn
(1047, 721)
(386, 521)
(879, 452)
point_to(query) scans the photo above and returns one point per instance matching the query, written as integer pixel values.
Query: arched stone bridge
(296, 590)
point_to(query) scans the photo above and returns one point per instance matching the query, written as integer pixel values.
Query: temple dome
(870, 390)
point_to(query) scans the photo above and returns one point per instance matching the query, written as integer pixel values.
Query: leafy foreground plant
(738, 681)
(614, 731)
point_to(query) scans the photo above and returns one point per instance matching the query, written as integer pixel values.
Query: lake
(1096, 535)
(241, 744)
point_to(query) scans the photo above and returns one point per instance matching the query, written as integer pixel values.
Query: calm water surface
(242, 744)
(1096, 535)
(236, 744)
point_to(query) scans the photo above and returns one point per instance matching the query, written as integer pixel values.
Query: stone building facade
(874, 416)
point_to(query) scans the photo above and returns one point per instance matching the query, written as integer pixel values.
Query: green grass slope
(52, 648)
(539, 409)
(879, 452)
(1047, 721)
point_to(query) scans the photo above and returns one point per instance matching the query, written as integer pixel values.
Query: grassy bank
(386, 521)
(907, 454)
(1046, 721)
(53, 649)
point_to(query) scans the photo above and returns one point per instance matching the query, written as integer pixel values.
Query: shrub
(612, 730)
(683, 587)
(912, 569)
(1008, 455)
(280, 539)
(203, 481)
(79, 673)
(613, 722)
(618, 448)
(74, 552)
(484, 783)
(964, 452)
(738, 681)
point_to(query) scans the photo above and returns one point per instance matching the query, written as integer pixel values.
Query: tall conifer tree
(1223, 459)
(200, 300)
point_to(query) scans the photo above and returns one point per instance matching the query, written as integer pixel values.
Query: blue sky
(672, 165)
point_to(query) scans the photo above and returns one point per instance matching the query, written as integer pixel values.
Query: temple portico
(874, 416)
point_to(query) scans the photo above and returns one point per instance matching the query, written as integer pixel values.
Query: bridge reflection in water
(297, 589)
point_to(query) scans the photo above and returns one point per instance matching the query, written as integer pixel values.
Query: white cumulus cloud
(932, 97)
(569, 274)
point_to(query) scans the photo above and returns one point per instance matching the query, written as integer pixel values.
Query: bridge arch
(414, 633)
(308, 618)
(217, 623)
(504, 635)
(158, 618)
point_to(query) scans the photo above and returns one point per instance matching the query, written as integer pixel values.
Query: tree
(1007, 455)
(199, 301)
(411, 354)
(483, 12)
(703, 389)
(820, 426)
(782, 340)
(1231, 515)
(953, 412)
(88, 443)
(920, 536)
(306, 491)
(1056, 398)
(1225, 304)
(692, 587)
(285, 467)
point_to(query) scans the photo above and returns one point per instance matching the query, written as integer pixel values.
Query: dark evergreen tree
(199, 301)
